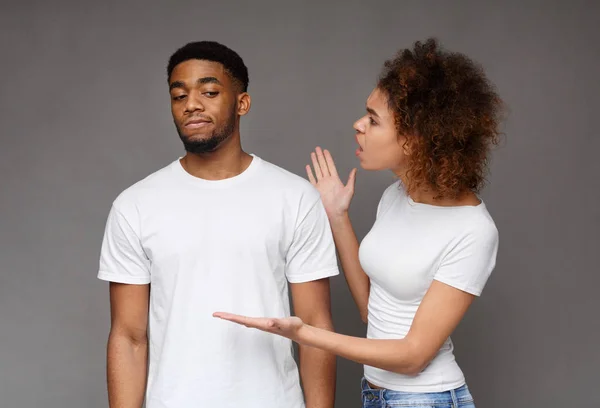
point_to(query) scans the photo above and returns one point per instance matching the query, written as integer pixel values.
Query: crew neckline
(223, 183)
(415, 204)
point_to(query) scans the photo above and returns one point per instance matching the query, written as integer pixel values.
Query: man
(218, 229)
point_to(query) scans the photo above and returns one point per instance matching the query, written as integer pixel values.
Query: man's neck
(229, 160)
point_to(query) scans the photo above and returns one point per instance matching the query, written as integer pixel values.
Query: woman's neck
(430, 196)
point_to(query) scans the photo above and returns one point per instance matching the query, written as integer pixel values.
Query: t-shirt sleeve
(311, 255)
(387, 198)
(122, 258)
(470, 262)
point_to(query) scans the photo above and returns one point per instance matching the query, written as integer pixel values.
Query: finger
(230, 317)
(322, 162)
(259, 323)
(225, 315)
(243, 320)
(330, 163)
(318, 172)
(311, 177)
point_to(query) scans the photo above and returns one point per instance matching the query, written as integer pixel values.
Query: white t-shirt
(230, 245)
(409, 246)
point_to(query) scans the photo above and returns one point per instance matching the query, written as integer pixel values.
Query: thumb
(351, 179)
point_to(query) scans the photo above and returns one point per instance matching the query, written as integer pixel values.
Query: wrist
(338, 218)
(303, 335)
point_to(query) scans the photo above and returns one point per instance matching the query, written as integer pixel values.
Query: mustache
(197, 118)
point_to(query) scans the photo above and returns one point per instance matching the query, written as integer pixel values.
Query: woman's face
(380, 146)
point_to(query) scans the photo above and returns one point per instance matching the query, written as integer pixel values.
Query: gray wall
(84, 113)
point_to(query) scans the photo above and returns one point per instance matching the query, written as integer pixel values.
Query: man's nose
(194, 102)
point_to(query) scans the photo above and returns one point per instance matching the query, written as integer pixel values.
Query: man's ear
(243, 103)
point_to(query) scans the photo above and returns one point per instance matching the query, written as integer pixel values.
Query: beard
(213, 141)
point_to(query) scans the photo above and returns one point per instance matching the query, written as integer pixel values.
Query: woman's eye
(372, 122)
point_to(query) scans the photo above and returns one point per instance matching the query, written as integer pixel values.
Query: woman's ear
(406, 143)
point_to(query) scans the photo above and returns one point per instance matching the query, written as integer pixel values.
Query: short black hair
(212, 51)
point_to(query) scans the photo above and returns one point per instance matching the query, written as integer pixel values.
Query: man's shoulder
(146, 188)
(286, 180)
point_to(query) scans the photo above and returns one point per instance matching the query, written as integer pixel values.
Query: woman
(431, 120)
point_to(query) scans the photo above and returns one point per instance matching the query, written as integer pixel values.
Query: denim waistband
(459, 395)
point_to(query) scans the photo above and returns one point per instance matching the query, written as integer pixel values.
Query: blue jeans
(375, 398)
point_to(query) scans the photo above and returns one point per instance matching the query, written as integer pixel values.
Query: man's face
(203, 104)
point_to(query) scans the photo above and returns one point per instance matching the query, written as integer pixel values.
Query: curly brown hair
(450, 113)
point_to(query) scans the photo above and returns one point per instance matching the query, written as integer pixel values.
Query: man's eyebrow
(372, 111)
(203, 80)
(176, 84)
(209, 80)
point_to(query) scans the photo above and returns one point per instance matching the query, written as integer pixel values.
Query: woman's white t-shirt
(410, 245)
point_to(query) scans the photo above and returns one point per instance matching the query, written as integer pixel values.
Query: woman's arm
(441, 310)
(336, 199)
(346, 244)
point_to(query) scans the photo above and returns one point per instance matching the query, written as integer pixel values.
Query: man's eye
(211, 94)
(179, 97)
(372, 122)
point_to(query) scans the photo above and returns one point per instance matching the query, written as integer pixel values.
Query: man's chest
(216, 230)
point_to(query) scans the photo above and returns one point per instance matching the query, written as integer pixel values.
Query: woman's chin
(367, 165)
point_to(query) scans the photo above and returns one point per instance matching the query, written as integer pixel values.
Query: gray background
(84, 113)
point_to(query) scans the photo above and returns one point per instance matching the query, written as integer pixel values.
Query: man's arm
(312, 304)
(127, 351)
